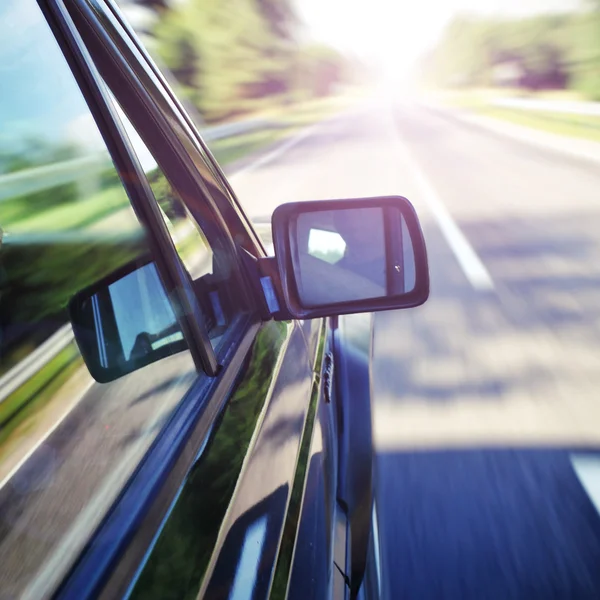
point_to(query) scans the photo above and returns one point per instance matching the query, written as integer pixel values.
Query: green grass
(232, 149)
(578, 126)
(478, 101)
(37, 390)
(74, 214)
(286, 123)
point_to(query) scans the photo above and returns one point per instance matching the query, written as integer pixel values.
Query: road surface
(487, 409)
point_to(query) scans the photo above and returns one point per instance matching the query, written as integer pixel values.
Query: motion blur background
(485, 114)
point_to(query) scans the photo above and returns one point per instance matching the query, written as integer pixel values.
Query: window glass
(207, 262)
(189, 239)
(67, 443)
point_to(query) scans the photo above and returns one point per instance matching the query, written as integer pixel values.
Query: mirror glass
(351, 254)
(129, 323)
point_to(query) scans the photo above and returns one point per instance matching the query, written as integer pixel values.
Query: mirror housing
(350, 256)
(125, 322)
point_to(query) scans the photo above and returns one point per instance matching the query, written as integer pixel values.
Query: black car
(181, 415)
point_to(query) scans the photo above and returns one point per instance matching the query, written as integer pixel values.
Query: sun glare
(386, 33)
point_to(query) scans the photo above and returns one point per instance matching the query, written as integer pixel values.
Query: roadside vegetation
(480, 102)
(553, 57)
(37, 391)
(546, 52)
(278, 127)
(241, 57)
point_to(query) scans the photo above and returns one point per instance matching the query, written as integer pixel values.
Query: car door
(225, 504)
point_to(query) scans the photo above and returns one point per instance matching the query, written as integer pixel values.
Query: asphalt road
(487, 396)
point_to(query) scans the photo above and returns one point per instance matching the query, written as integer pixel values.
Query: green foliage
(236, 56)
(318, 68)
(41, 276)
(33, 152)
(226, 52)
(551, 51)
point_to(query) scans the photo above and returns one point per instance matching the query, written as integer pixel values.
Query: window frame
(137, 188)
(122, 49)
(227, 199)
(169, 136)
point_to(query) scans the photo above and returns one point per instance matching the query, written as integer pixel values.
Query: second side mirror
(350, 256)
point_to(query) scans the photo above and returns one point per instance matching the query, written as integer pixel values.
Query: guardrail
(32, 180)
(28, 181)
(41, 356)
(219, 132)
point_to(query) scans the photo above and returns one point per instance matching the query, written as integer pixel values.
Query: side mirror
(349, 256)
(125, 322)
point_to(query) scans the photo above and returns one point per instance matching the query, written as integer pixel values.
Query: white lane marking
(471, 264)
(277, 151)
(587, 469)
(47, 434)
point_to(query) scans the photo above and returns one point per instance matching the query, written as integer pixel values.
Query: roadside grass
(571, 125)
(37, 390)
(74, 215)
(285, 123)
(578, 126)
(477, 97)
(232, 149)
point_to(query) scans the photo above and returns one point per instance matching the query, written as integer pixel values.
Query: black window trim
(121, 49)
(220, 179)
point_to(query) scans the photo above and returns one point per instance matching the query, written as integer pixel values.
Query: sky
(395, 33)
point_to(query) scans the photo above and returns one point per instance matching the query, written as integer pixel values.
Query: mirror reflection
(144, 317)
(129, 323)
(352, 254)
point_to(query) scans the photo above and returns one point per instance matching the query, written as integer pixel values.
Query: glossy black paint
(266, 479)
(180, 554)
(281, 219)
(112, 557)
(352, 352)
(339, 485)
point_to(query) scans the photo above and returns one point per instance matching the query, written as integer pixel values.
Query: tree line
(551, 51)
(234, 56)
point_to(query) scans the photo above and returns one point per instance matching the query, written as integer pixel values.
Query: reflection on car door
(224, 531)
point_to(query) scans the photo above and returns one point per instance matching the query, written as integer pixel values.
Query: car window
(208, 262)
(67, 443)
